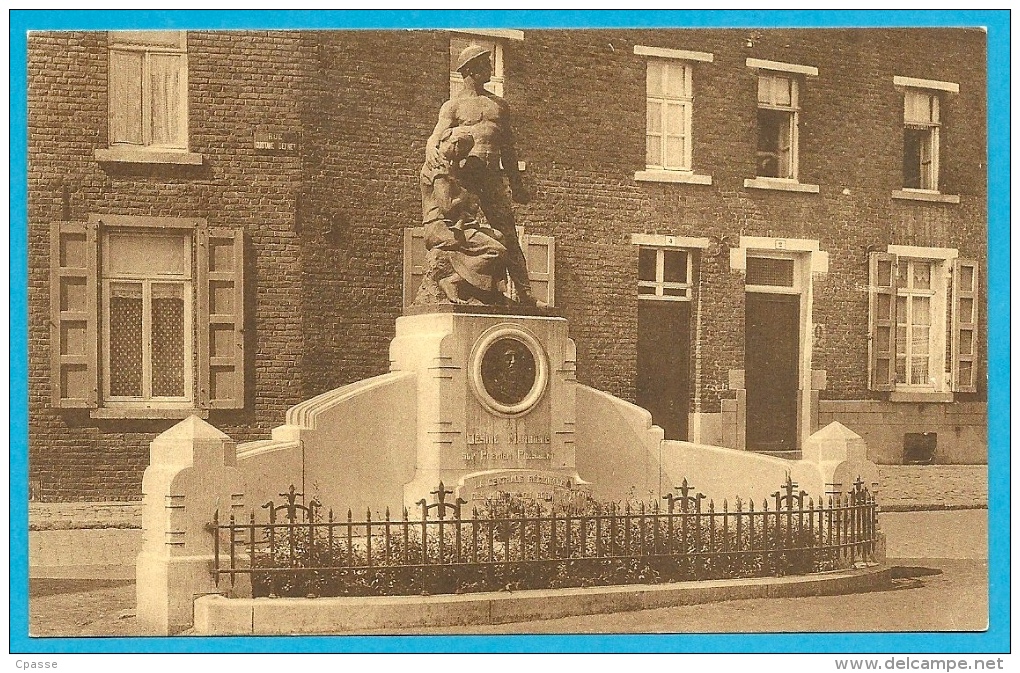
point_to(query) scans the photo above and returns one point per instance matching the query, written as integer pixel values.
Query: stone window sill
(780, 184)
(920, 195)
(919, 396)
(115, 413)
(683, 177)
(139, 156)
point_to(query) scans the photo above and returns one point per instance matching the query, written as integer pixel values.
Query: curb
(936, 507)
(219, 615)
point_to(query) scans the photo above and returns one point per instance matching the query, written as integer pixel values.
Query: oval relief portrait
(508, 370)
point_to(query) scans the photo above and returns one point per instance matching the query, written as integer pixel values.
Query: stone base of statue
(495, 402)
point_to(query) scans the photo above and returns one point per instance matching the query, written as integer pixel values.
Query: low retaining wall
(218, 615)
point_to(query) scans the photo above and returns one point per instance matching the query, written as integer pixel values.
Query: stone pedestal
(191, 475)
(495, 403)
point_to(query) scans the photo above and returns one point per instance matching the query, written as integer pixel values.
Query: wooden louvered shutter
(882, 314)
(74, 315)
(126, 114)
(221, 318)
(965, 325)
(540, 253)
(414, 262)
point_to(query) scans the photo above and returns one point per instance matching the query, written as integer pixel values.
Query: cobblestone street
(922, 487)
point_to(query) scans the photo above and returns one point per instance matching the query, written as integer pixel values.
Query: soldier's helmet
(469, 55)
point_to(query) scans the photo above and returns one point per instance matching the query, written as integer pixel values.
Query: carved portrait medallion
(508, 371)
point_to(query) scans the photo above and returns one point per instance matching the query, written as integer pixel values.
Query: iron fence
(508, 542)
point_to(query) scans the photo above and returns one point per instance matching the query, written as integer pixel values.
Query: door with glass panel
(772, 343)
(664, 337)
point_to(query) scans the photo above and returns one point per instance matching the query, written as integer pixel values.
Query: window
(923, 311)
(778, 107)
(923, 112)
(147, 316)
(147, 308)
(669, 111)
(772, 272)
(777, 153)
(494, 41)
(668, 114)
(664, 274)
(539, 253)
(920, 140)
(914, 333)
(148, 97)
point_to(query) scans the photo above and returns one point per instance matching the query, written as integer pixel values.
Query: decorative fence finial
(791, 496)
(292, 506)
(441, 505)
(684, 498)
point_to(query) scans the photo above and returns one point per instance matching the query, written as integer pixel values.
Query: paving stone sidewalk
(928, 487)
(903, 488)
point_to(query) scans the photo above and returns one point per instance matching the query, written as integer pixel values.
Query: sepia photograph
(420, 325)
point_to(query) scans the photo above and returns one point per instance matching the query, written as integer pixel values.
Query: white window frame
(791, 112)
(907, 293)
(494, 40)
(940, 379)
(684, 101)
(147, 52)
(936, 90)
(928, 171)
(186, 281)
(795, 73)
(684, 60)
(659, 285)
(930, 91)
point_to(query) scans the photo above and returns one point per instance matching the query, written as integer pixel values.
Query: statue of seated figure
(466, 258)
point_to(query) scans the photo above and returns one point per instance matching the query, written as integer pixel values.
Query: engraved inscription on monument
(528, 484)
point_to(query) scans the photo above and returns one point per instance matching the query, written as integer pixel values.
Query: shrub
(513, 543)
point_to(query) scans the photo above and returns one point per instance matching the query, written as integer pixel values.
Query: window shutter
(882, 314)
(414, 262)
(221, 318)
(126, 98)
(965, 325)
(168, 92)
(540, 253)
(74, 316)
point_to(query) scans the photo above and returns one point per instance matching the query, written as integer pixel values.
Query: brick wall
(580, 125)
(326, 225)
(238, 81)
(959, 428)
(374, 103)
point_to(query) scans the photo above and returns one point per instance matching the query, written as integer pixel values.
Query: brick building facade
(756, 231)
